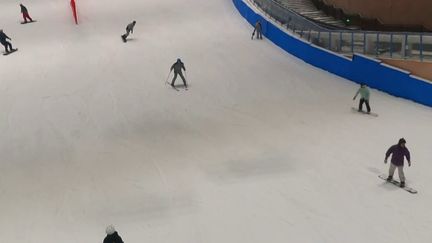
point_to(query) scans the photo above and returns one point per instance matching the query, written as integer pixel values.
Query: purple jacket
(398, 152)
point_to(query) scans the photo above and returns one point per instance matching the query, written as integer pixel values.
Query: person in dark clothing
(129, 29)
(177, 67)
(398, 152)
(257, 30)
(112, 235)
(25, 13)
(4, 42)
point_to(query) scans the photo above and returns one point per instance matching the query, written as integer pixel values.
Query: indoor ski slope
(261, 148)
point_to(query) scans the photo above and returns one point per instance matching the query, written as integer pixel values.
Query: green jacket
(364, 93)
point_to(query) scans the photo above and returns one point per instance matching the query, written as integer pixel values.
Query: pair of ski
(397, 183)
(176, 87)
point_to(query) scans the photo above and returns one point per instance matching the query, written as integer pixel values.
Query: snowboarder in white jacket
(365, 94)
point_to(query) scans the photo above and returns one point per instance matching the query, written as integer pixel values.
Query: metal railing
(396, 45)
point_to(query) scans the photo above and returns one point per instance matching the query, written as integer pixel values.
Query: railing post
(364, 43)
(391, 45)
(330, 39)
(405, 46)
(340, 42)
(352, 43)
(421, 47)
(310, 33)
(377, 45)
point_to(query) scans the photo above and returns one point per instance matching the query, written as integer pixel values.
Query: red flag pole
(74, 11)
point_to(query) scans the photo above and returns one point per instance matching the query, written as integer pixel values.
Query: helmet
(110, 229)
(401, 141)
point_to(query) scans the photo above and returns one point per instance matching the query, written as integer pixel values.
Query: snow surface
(262, 148)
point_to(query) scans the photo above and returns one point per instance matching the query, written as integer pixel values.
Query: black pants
(361, 105)
(127, 34)
(7, 44)
(258, 33)
(181, 76)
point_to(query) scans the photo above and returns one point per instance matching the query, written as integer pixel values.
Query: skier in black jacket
(129, 29)
(4, 42)
(257, 30)
(177, 67)
(112, 235)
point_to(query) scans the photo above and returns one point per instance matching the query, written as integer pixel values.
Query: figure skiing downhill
(364, 98)
(25, 14)
(398, 152)
(178, 66)
(5, 43)
(129, 29)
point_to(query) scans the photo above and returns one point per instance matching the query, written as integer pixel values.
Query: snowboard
(397, 183)
(7, 53)
(28, 22)
(364, 112)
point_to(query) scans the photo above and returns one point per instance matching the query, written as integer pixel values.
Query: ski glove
(385, 161)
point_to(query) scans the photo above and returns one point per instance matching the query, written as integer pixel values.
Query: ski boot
(402, 184)
(389, 178)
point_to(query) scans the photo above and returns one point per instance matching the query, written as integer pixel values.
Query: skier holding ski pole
(177, 67)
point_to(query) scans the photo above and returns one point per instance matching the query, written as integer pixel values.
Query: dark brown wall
(397, 12)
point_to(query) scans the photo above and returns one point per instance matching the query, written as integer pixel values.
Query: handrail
(383, 44)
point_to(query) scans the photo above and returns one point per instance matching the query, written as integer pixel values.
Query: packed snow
(261, 148)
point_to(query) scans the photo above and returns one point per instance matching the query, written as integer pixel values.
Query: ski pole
(187, 79)
(166, 81)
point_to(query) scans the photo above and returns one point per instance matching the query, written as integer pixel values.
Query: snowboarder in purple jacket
(398, 152)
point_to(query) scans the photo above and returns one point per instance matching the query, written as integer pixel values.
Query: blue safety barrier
(360, 69)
